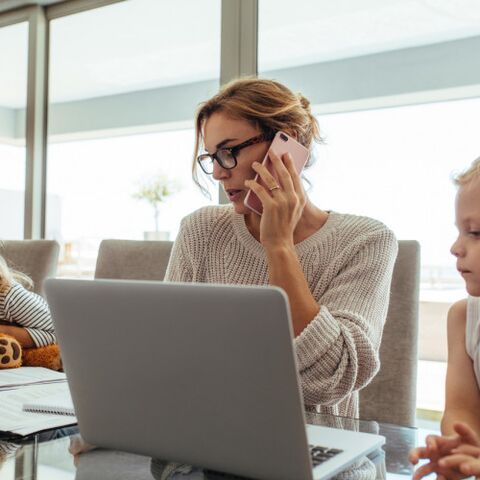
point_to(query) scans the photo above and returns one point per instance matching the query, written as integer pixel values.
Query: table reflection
(117, 465)
(62, 454)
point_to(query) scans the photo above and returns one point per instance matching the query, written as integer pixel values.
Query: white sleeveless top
(472, 334)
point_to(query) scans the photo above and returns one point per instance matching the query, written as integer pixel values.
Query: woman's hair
(267, 105)
(8, 276)
(472, 173)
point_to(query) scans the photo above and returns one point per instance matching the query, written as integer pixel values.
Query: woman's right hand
(78, 446)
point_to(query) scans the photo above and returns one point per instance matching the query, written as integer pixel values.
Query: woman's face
(222, 131)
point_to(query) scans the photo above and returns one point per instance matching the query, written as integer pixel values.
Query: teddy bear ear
(10, 352)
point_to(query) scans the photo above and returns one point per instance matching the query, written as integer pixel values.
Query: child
(24, 315)
(456, 454)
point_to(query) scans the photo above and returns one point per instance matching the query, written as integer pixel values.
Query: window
(13, 99)
(392, 105)
(92, 186)
(396, 164)
(123, 99)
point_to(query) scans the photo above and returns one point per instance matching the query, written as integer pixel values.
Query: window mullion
(36, 125)
(239, 44)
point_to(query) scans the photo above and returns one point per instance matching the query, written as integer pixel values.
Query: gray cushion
(391, 396)
(36, 258)
(133, 259)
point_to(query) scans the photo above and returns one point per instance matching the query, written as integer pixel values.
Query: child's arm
(462, 399)
(19, 333)
(30, 318)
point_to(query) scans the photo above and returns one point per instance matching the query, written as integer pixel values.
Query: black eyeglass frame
(233, 151)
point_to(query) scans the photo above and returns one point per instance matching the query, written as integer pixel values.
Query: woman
(335, 268)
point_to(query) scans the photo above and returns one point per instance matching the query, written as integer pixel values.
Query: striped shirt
(23, 308)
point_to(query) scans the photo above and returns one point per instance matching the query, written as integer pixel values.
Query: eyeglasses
(227, 157)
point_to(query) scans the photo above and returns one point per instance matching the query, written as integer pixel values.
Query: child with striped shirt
(24, 315)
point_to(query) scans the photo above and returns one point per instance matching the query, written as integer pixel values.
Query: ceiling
(145, 44)
(6, 5)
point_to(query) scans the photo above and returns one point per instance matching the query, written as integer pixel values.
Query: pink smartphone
(281, 144)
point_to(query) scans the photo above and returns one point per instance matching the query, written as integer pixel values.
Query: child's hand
(464, 459)
(437, 447)
(454, 448)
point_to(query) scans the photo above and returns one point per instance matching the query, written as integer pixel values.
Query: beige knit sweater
(348, 265)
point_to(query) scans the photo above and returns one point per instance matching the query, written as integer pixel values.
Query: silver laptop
(193, 373)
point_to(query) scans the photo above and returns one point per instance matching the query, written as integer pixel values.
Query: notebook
(57, 404)
(19, 377)
(15, 420)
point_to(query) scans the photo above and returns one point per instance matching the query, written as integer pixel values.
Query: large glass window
(122, 101)
(396, 165)
(315, 32)
(94, 189)
(354, 59)
(13, 99)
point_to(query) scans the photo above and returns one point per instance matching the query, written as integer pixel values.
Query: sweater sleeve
(337, 352)
(29, 310)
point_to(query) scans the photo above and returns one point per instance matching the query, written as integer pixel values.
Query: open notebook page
(15, 420)
(17, 377)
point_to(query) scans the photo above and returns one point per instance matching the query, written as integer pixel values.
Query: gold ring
(275, 187)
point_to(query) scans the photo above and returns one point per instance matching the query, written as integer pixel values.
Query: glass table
(46, 456)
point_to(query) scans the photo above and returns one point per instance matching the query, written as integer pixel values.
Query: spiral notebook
(57, 404)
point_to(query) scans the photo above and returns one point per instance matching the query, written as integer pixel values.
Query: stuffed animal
(12, 355)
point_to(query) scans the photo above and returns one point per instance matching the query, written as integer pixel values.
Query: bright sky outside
(392, 164)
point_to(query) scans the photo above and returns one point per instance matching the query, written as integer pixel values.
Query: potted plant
(155, 191)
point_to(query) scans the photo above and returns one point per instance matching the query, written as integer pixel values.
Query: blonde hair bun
(304, 101)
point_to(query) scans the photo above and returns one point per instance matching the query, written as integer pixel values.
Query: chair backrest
(133, 259)
(391, 396)
(36, 258)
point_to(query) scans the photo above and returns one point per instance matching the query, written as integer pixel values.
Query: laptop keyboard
(322, 454)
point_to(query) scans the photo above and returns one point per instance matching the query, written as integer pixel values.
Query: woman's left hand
(283, 201)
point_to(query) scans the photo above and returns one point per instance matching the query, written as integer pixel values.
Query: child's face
(467, 246)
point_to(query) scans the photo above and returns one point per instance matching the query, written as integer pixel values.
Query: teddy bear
(12, 355)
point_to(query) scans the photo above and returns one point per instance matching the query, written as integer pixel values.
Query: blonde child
(24, 315)
(456, 454)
